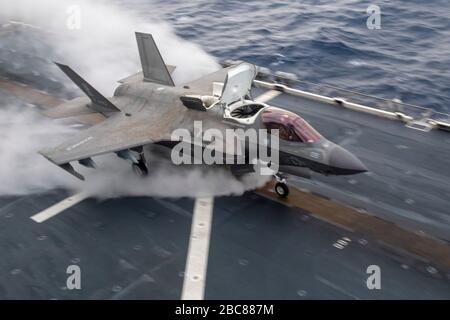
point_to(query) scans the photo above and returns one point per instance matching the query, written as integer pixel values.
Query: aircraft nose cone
(345, 162)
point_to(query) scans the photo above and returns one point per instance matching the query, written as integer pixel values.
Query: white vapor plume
(23, 133)
(24, 171)
(114, 178)
(102, 50)
(97, 39)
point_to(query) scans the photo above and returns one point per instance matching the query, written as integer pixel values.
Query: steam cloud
(115, 179)
(23, 133)
(103, 50)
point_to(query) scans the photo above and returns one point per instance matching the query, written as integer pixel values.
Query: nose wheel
(281, 188)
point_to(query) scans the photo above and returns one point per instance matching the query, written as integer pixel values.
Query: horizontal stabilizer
(99, 102)
(137, 77)
(73, 108)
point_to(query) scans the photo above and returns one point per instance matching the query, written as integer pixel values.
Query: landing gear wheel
(140, 169)
(281, 189)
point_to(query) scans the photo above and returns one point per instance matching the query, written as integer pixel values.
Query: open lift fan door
(238, 83)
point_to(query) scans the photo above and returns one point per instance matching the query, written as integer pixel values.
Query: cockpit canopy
(290, 125)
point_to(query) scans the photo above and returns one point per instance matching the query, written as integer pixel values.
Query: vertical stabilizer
(153, 66)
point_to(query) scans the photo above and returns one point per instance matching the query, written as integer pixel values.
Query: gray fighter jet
(147, 108)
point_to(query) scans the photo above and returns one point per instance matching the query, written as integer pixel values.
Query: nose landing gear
(281, 188)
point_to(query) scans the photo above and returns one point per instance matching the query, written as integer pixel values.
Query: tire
(281, 189)
(139, 169)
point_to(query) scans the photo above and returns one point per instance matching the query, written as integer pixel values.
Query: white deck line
(268, 95)
(197, 256)
(59, 207)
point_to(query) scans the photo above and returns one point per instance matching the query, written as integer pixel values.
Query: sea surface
(328, 42)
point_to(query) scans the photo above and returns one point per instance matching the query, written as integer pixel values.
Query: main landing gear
(281, 188)
(140, 169)
(138, 165)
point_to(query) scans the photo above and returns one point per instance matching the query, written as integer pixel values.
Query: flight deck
(316, 244)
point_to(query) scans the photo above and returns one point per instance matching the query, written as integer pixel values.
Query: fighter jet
(148, 107)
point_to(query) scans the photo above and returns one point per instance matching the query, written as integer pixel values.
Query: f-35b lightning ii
(148, 107)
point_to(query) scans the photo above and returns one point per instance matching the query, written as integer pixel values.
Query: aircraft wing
(116, 133)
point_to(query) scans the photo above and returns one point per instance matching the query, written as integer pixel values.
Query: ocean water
(329, 42)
